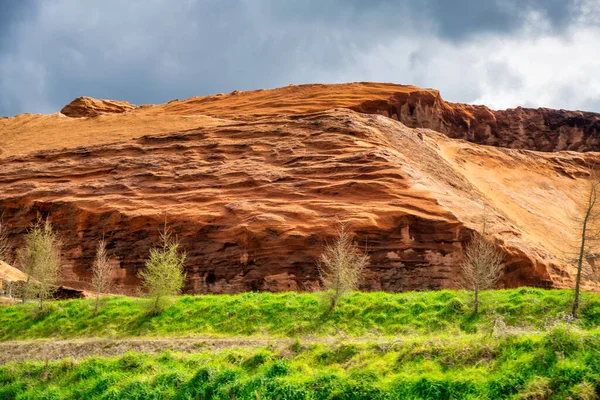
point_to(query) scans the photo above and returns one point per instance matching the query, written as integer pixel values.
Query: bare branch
(480, 269)
(101, 272)
(588, 234)
(342, 265)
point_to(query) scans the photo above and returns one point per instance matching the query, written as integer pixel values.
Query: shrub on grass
(257, 359)
(536, 388)
(278, 368)
(40, 260)
(480, 269)
(342, 265)
(101, 273)
(164, 273)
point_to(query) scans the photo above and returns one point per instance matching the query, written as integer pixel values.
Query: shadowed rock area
(254, 183)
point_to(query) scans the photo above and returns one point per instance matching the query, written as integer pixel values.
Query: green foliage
(294, 315)
(355, 371)
(164, 273)
(425, 345)
(40, 260)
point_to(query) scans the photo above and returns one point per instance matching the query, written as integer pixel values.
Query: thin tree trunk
(578, 281)
(580, 266)
(96, 307)
(476, 303)
(336, 291)
(156, 303)
(25, 287)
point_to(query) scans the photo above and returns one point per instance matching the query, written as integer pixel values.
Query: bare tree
(341, 266)
(164, 272)
(40, 260)
(480, 269)
(101, 273)
(587, 228)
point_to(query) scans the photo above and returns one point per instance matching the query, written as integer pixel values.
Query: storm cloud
(503, 53)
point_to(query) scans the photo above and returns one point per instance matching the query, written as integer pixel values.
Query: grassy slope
(294, 314)
(561, 362)
(411, 345)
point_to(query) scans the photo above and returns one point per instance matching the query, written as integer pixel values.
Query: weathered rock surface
(253, 184)
(90, 107)
(539, 129)
(12, 278)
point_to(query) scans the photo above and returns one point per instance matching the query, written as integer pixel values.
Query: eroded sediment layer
(253, 201)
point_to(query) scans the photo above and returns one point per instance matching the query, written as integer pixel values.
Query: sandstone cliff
(253, 184)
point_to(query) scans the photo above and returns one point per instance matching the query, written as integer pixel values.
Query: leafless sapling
(102, 270)
(587, 227)
(481, 266)
(341, 266)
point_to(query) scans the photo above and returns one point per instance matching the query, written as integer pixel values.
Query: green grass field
(425, 345)
(298, 314)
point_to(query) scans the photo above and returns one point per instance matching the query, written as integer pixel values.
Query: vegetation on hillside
(338, 344)
(164, 274)
(342, 266)
(40, 260)
(587, 226)
(560, 364)
(101, 273)
(481, 268)
(301, 314)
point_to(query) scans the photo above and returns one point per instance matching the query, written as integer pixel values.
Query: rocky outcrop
(253, 203)
(90, 107)
(12, 280)
(254, 184)
(539, 129)
(521, 128)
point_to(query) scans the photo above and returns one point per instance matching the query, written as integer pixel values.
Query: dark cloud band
(146, 52)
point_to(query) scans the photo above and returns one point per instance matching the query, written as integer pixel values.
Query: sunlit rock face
(254, 183)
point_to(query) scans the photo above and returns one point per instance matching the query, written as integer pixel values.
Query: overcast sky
(502, 53)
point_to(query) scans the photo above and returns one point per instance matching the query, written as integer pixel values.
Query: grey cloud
(12, 13)
(591, 104)
(461, 19)
(152, 53)
(455, 20)
(501, 73)
(148, 52)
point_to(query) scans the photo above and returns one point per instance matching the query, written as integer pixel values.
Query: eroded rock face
(254, 183)
(539, 129)
(253, 204)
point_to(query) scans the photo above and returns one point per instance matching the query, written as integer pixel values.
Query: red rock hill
(253, 183)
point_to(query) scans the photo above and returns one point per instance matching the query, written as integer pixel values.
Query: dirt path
(56, 349)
